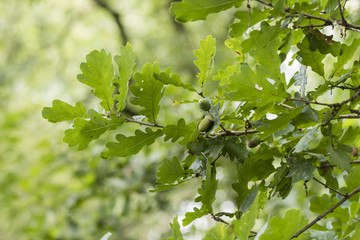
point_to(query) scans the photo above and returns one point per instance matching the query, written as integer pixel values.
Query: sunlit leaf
(286, 227)
(175, 227)
(191, 10)
(62, 111)
(98, 73)
(173, 79)
(85, 131)
(126, 146)
(205, 55)
(191, 216)
(126, 63)
(148, 91)
(219, 232)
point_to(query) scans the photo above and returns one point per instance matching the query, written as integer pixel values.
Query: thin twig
(344, 87)
(327, 21)
(309, 16)
(321, 216)
(265, 3)
(213, 162)
(218, 219)
(249, 9)
(143, 123)
(285, 105)
(348, 116)
(233, 133)
(338, 106)
(116, 16)
(341, 12)
(313, 25)
(310, 102)
(351, 98)
(344, 4)
(306, 188)
(224, 129)
(333, 165)
(332, 189)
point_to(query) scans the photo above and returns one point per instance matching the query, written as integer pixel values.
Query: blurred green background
(50, 191)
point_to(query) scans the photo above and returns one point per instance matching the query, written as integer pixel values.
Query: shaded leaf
(303, 144)
(169, 171)
(246, 223)
(181, 130)
(281, 122)
(62, 111)
(235, 150)
(340, 156)
(208, 189)
(254, 168)
(301, 170)
(248, 201)
(311, 57)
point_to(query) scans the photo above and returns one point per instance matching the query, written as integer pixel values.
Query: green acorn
(254, 142)
(206, 123)
(204, 104)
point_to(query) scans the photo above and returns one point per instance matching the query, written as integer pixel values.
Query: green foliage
(284, 228)
(205, 56)
(62, 111)
(176, 233)
(126, 63)
(148, 92)
(173, 79)
(97, 72)
(262, 133)
(126, 146)
(191, 10)
(85, 131)
(181, 130)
